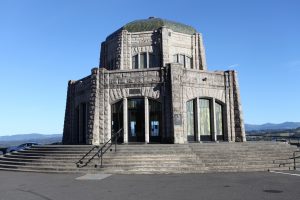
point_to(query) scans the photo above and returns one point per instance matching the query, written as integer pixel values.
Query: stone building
(153, 82)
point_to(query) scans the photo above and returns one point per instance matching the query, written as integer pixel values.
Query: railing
(284, 162)
(3, 150)
(101, 150)
(293, 140)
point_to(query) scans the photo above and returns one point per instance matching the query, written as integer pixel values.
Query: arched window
(205, 118)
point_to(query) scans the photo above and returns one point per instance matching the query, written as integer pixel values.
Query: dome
(153, 23)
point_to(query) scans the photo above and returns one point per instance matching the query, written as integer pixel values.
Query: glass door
(205, 119)
(136, 120)
(154, 121)
(117, 119)
(191, 120)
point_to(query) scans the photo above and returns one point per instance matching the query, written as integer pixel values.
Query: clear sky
(43, 44)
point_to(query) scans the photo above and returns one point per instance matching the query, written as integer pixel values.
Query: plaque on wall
(177, 119)
(135, 91)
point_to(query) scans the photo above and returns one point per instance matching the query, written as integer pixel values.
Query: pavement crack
(35, 194)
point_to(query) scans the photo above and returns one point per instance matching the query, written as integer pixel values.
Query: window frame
(182, 59)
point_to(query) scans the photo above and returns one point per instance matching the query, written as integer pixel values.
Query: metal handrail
(100, 151)
(294, 158)
(288, 159)
(83, 157)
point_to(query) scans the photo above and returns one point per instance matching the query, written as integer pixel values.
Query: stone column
(213, 118)
(69, 114)
(147, 139)
(165, 45)
(238, 113)
(176, 74)
(108, 120)
(125, 120)
(231, 107)
(94, 110)
(227, 128)
(198, 120)
(202, 53)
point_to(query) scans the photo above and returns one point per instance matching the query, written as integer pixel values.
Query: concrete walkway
(252, 185)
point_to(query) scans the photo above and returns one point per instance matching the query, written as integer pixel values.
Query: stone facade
(152, 60)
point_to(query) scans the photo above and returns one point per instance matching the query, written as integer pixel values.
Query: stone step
(47, 168)
(158, 150)
(152, 158)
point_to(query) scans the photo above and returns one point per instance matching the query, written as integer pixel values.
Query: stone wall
(78, 92)
(119, 48)
(221, 87)
(172, 85)
(116, 85)
(238, 113)
(179, 43)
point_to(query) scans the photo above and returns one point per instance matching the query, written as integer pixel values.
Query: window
(154, 119)
(181, 59)
(190, 109)
(204, 106)
(186, 61)
(152, 60)
(144, 60)
(219, 119)
(175, 58)
(209, 117)
(135, 62)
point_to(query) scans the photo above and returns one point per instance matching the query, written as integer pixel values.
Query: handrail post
(116, 136)
(294, 157)
(101, 158)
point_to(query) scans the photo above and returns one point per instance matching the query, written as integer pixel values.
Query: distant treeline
(275, 132)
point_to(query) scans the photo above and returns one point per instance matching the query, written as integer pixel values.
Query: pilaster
(202, 55)
(213, 118)
(177, 102)
(147, 121)
(198, 120)
(125, 120)
(238, 113)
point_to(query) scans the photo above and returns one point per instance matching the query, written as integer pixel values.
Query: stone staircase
(153, 158)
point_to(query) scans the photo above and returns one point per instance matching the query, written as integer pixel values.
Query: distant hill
(270, 126)
(32, 137)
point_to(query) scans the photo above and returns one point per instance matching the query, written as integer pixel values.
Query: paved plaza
(251, 185)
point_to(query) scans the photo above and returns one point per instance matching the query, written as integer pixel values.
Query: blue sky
(43, 44)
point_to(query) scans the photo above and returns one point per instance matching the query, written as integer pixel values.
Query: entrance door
(117, 119)
(154, 121)
(136, 120)
(191, 120)
(205, 120)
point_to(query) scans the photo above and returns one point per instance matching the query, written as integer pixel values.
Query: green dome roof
(152, 24)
